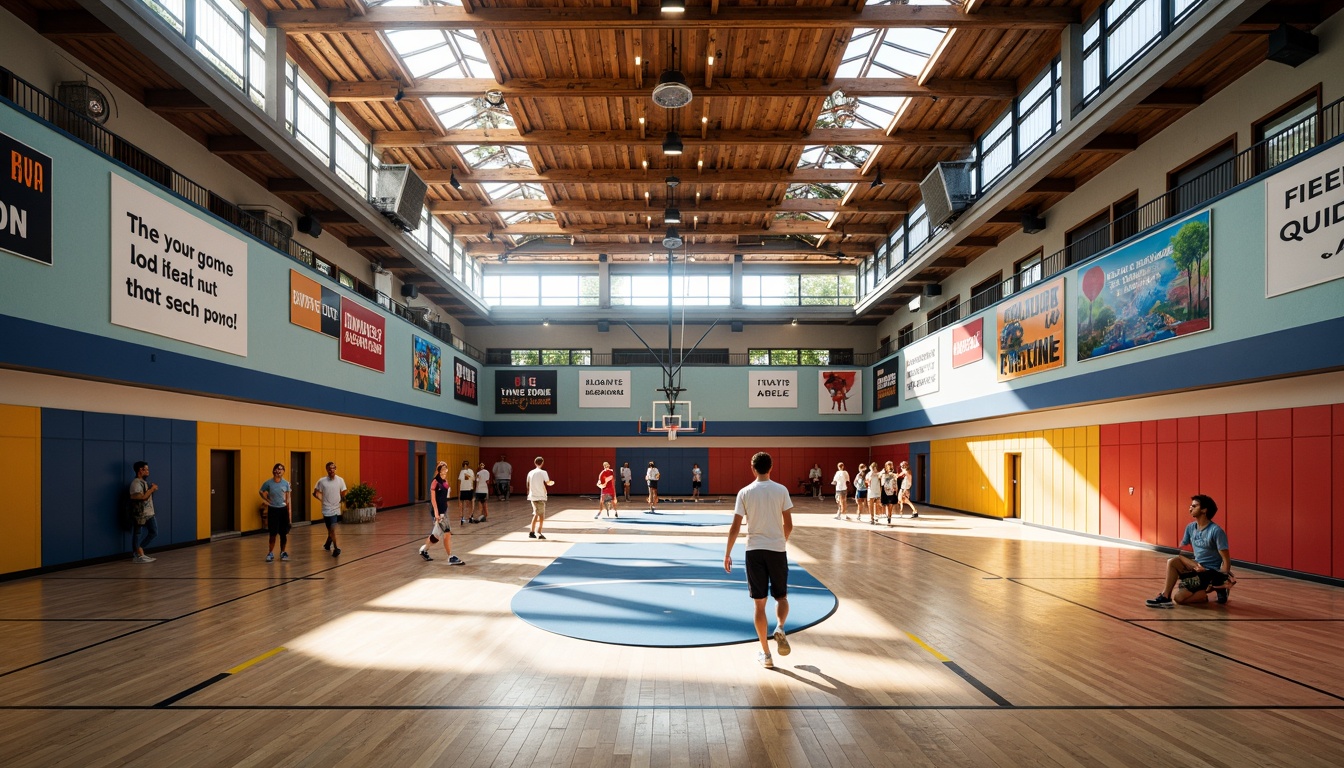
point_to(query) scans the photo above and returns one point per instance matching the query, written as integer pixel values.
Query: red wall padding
(1277, 475)
(384, 463)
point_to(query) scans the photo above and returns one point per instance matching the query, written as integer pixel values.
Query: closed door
(298, 483)
(223, 481)
(421, 477)
(1012, 484)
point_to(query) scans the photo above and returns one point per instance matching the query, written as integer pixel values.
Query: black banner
(25, 201)
(464, 381)
(886, 383)
(519, 391)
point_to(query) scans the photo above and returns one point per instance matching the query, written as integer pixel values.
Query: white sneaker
(781, 643)
(765, 660)
(142, 559)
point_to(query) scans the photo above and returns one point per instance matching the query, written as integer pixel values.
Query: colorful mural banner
(313, 305)
(1031, 331)
(968, 342)
(363, 333)
(464, 381)
(520, 391)
(772, 389)
(921, 368)
(1155, 289)
(1304, 223)
(839, 392)
(426, 366)
(885, 377)
(26, 218)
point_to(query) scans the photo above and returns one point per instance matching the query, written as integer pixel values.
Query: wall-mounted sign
(921, 368)
(523, 391)
(1304, 223)
(313, 305)
(885, 377)
(772, 389)
(968, 342)
(464, 381)
(1031, 331)
(175, 274)
(604, 389)
(363, 336)
(426, 366)
(839, 392)
(25, 201)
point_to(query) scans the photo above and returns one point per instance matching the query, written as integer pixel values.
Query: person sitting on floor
(1209, 570)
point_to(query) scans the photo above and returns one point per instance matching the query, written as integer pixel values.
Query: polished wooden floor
(957, 641)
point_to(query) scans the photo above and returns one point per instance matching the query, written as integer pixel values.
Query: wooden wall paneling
(1274, 499)
(1171, 517)
(1277, 423)
(1213, 475)
(1241, 426)
(1131, 476)
(1148, 490)
(1187, 483)
(1311, 505)
(21, 445)
(1238, 506)
(1093, 486)
(1167, 431)
(1109, 482)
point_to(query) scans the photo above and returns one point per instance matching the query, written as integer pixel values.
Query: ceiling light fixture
(671, 216)
(878, 183)
(672, 239)
(674, 6)
(401, 94)
(672, 91)
(546, 322)
(672, 144)
(794, 321)
(452, 179)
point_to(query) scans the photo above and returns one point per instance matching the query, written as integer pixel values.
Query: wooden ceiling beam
(976, 241)
(72, 24)
(162, 100)
(688, 176)
(364, 241)
(492, 20)
(1052, 185)
(288, 184)
(333, 217)
(828, 136)
(794, 248)
(640, 230)
(1174, 98)
(1113, 142)
(642, 207)
(542, 88)
(233, 144)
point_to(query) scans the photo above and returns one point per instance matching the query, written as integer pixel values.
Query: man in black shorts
(765, 504)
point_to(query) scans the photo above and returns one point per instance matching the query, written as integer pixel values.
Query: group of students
(875, 492)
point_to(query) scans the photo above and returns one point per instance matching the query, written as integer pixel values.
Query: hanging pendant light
(672, 143)
(672, 91)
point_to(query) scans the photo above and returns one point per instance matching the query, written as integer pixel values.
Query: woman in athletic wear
(440, 491)
(651, 477)
(907, 480)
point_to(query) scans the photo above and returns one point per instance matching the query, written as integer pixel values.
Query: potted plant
(360, 503)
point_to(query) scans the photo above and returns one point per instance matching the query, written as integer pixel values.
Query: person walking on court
(907, 480)
(502, 471)
(606, 496)
(890, 483)
(440, 494)
(275, 492)
(626, 477)
(695, 481)
(814, 480)
(466, 492)
(142, 492)
(841, 482)
(651, 476)
(538, 480)
(765, 505)
(1209, 570)
(330, 490)
(482, 494)
(861, 507)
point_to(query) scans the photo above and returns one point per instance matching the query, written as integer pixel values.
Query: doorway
(223, 492)
(1012, 485)
(299, 487)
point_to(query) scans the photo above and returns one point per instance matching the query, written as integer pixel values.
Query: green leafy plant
(360, 496)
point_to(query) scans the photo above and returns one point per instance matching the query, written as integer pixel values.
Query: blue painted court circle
(659, 595)
(644, 517)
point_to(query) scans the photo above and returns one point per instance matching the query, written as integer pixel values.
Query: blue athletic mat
(644, 517)
(659, 595)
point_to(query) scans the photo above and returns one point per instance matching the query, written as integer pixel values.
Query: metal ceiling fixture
(672, 143)
(672, 240)
(672, 92)
(672, 215)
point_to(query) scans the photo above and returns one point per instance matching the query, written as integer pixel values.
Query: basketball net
(671, 434)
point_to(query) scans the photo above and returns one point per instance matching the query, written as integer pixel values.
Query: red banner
(968, 342)
(363, 333)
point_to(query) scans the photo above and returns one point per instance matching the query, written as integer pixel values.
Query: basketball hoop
(672, 434)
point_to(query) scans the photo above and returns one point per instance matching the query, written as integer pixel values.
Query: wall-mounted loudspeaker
(1031, 224)
(933, 289)
(309, 225)
(603, 326)
(1291, 46)
(410, 290)
(737, 326)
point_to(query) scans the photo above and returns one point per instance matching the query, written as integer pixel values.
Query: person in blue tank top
(275, 492)
(1210, 568)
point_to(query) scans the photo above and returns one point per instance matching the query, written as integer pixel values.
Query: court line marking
(211, 681)
(956, 668)
(678, 707)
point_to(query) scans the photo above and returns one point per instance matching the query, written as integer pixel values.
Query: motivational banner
(1304, 223)
(604, 389)
(839, 392)
(885, 377)
(519, 391)
(921, 368)
(426, 366)
(363, 333)
(968, 342)
(1031, 331)
(1153, 290)
(464, 381)
(772, 389)
(25, 201)
(175, 274)
(313, 305)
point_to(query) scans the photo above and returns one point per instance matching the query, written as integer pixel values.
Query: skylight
(495, 156)
(513, 191)
(837, 156)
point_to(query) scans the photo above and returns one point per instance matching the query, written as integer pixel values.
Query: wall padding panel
(21, 445)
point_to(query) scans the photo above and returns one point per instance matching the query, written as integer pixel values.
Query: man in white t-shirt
(482, 494)
(765, 505)
(537, 482)
(466, 492)
(502, 471)
(841, 481)
(814, 479)
(626, 476)
(330, 490)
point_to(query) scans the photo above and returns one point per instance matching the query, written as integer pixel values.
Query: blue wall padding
(659, 595)
(674, 466)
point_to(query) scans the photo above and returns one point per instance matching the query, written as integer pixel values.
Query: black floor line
(1138, 624)
(678, 707)
(977, 685)
(81, 621)
(222, 603)
(1245, 620)
(193, 689)
(163, 578)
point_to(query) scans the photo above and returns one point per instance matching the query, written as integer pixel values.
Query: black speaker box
(1032, 224)
(737, 325)
(1291, 46)
(309, 225)
(933, 289)
(410, 290)
(603, 326)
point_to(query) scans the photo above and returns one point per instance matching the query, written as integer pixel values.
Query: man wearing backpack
(142, 513)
